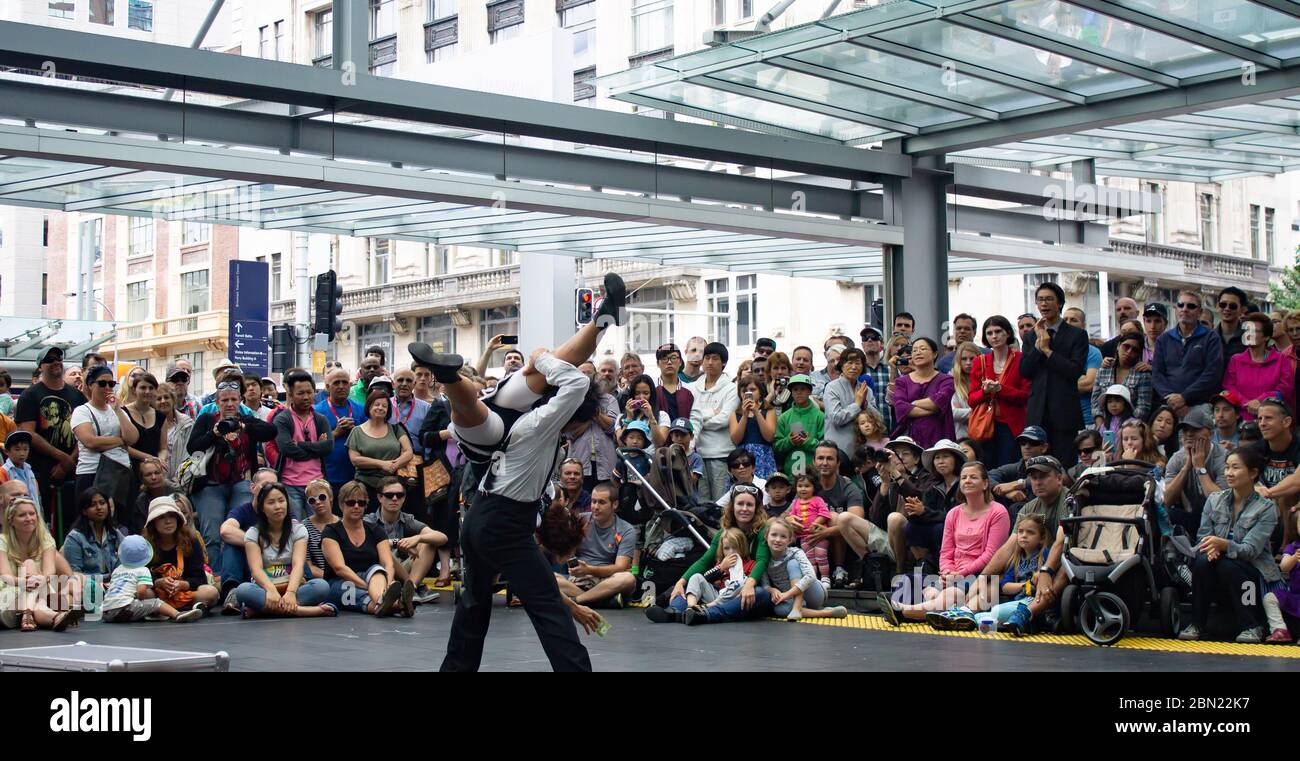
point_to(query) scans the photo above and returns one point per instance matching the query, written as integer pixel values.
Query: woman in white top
(102, 428)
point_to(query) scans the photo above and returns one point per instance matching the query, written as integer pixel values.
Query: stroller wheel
(1069, 609)
(1171, 612)
(1104, 618)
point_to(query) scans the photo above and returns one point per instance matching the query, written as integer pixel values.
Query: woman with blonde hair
(27, 568)
(966, 354)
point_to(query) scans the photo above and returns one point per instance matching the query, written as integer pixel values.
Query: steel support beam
(1117, 111)
(1037, 190)
(351, 27)
(105, 57)
(122, 113)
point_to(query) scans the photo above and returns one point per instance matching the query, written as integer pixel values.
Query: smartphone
(749, 395)
(573, 562)
(797, 428)
(510, 340)
(1108, 438)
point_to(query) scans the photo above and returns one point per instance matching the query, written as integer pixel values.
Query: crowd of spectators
(950, 454)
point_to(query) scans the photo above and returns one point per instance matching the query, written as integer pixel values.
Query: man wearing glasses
(1055, 358)
(1232, 307)
(415, 545)
(671, 395)
(1188, 363)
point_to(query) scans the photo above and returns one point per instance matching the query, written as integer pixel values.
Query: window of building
(719, 302)
(505, 20)
(584, 87)
(383, 18)
(372, 334)
(139, 15)
(746, 310)
(194, 296)
(1208, 212)
(579, 17)
(651, 330)
(383, 56)
(198, 378)
(652, 25)
(1255, 224)
(1270, 237)
(45, 231)
(438, 331)
(504, 258)
(1031, 289)
(276, 277)
(281, 44)
(746, 8)
(62, 9)
(379, 260)
(137, 305)
(141, 232)
(497, 321)
(322, 35)
(720, 12)
(193, 233)
(45, 289)
(101, 12)
(264, 42)
(437, 260)
(440, 36)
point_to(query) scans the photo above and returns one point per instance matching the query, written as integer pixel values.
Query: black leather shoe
(445, 367)
(611, 308)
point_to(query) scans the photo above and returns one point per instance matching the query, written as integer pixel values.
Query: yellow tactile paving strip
(878, 623)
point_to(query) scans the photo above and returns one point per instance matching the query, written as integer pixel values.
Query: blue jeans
(347, 596)
(234, 564)
(297, 502)
(814, 598)
(310, 593)
(1003, 450)
(211, 506)
(733, 610)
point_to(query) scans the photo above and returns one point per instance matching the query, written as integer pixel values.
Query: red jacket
(1012, 400)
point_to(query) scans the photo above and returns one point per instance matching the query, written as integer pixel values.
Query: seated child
(807, 513)
(723, 581)
(790, 580)
(778, 494)
(130, 594)
(1282, 604)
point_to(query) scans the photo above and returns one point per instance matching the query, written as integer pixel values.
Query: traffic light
(283, 350)
(329, 304)
(585, 300)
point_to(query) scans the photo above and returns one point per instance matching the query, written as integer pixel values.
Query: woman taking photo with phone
(753, 426)
(640, 406)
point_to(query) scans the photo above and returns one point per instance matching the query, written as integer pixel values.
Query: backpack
(269, 448)
(192, 469)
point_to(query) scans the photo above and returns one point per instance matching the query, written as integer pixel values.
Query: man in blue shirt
(1188, 365)
(343, 414)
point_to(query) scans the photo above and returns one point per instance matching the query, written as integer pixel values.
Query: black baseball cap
(1157, 309)
(681, 424)
(1033, 433)
(178, 372)
(52, 354)
(870, 331)
(765, 343)
(18, 437)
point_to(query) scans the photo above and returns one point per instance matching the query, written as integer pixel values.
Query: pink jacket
(969, 543)
(1258, 380)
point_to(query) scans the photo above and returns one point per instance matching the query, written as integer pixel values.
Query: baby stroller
(673, 535)
(1111, 545)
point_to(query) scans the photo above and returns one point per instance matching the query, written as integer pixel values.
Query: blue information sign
(248, 333)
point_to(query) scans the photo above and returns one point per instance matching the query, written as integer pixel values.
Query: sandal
(442, 583)
(29, 621)
(66, 619)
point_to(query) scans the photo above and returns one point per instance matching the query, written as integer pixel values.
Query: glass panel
(823, 91)
(1239, 21)
(1013, 58)
(696, 96)
(1081, 141)
(1063, 22)
(885, 67)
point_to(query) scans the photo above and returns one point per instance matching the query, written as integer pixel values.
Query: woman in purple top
(923, 397)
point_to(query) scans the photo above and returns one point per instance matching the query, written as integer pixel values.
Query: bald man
(1125, 309)
(343, 414)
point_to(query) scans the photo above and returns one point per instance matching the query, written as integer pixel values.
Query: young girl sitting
(1282, 605)
(724, 580)
(795, 591)
(807, 512)
(1016, 584)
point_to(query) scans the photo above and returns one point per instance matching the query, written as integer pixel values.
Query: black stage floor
(355, 642)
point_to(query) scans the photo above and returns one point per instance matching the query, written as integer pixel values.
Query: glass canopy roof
(917, 68)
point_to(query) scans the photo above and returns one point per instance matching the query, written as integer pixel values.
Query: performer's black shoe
(445, 367)
(611, 307)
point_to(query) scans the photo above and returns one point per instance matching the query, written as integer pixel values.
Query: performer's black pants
(497, 537)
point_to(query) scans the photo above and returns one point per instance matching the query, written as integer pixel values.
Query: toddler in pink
(806, 513)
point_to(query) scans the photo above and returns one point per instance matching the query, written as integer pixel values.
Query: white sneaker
(425, 596)
(193, 614)
(793, 615)
(1191, 634)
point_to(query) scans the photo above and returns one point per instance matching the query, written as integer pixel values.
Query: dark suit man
(1056, 354)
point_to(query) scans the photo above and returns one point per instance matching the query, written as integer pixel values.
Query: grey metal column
(1084, 172)
(303, 294)
(351, 20)
(546, 300)
(916, 273)
(86, 277)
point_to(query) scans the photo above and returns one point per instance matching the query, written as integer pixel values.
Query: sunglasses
(1087, 451)
(746, 489)
(1228, 305)
(230, 386)
(106, 384)
(354, 502)
(319, 498)
(1188, 305)
(743, 464)
(393, 494)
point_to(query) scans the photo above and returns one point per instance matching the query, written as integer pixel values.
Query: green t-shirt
(387, 448)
